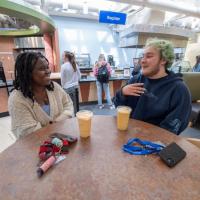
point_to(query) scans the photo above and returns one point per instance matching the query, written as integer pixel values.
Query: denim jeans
(74, 94)
(105, 87)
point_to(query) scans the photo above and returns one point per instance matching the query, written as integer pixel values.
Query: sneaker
(112, 107)
(101, 106)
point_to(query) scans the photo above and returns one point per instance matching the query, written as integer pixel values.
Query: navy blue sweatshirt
(165, 103)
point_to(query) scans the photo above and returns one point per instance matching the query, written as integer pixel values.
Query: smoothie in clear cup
(123, 114)
(84, 120)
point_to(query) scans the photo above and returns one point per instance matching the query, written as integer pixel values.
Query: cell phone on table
(172, 154)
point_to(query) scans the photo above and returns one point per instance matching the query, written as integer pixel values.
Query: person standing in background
(70, 75)
(196, 67)
(102, 72)
(137, 67)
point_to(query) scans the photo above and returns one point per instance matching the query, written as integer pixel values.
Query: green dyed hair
(166, 50)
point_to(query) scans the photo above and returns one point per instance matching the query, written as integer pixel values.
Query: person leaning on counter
(156, 95)
(36, 101)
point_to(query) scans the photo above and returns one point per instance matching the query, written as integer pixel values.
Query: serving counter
(88, 91)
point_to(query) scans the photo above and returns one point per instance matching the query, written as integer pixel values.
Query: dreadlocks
(24, 66)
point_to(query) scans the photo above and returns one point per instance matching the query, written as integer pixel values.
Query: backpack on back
(103, 74)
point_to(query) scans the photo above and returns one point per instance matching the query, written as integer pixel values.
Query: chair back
(192, 80)
(194, 141)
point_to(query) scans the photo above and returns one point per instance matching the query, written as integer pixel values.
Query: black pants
(74, 94)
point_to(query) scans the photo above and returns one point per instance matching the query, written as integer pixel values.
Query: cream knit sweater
(27, 116)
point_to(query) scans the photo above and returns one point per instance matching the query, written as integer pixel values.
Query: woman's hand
(135, 89)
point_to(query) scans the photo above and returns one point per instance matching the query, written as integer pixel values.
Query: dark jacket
(166, 102)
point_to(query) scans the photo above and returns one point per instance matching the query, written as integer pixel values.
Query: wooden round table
(97, 169)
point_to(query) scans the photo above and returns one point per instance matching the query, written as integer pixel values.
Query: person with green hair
(156, 95)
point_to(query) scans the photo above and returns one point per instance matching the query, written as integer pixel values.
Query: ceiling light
(65, 5)
(57, 9)
(85, 8)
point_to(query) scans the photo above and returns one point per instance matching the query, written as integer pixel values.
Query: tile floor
(94, 108)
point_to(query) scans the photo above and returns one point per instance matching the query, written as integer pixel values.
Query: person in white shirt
(70, 75)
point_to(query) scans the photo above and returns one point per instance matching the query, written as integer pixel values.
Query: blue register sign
(112, 17)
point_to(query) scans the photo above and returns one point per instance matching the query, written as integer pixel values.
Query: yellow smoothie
(84, 119)
(123, 114)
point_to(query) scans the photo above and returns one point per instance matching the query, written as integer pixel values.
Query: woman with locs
(36, 101)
